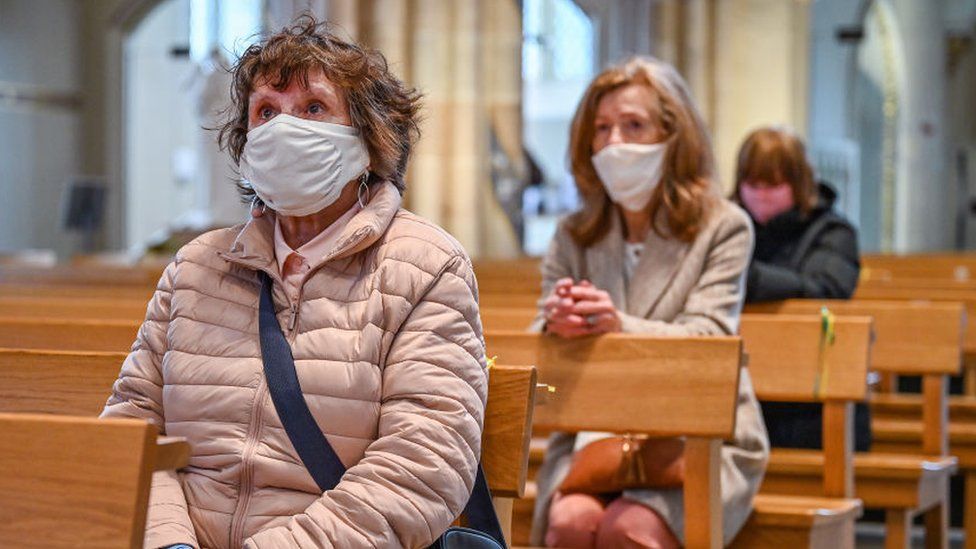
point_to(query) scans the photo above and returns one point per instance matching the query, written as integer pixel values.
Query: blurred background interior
(104, 106)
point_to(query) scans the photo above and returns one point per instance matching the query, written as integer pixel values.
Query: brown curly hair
(381, 107)
(687, 192)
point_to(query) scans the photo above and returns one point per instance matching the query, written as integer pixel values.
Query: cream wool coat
(677, 289)
(389, 352)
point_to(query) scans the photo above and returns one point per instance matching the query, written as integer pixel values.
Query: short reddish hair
(776, 155)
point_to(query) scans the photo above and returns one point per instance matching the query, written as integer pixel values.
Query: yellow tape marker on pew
(826, 339)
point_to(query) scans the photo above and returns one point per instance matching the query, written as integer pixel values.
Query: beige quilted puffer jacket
(389, 352)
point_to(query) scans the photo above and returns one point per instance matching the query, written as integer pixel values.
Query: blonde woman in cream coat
(654, 250)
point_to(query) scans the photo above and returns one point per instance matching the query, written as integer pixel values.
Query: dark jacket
(811, 256)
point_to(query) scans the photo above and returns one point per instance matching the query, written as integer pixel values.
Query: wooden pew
(82, 275)
(778, 520)
(589, 373)
(508, 277)
(141, 293)
(68, 482)
(938, 292)
(911, 339)
(515, 283)
(507, 318)
(898, 426)
(79, 383)
(789, 361)
(57, 382)
(505, 441)
(508, 300)
(947, 266)
(78, 335)
(79, 308)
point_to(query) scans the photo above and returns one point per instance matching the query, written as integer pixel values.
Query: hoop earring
(363, 188)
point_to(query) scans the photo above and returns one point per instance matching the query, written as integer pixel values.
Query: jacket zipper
(247, 458)
(293, 320)
(257, 408)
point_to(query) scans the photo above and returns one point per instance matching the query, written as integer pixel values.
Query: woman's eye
(265, 113)
(316, 108)
(602, 128)
(635, 125)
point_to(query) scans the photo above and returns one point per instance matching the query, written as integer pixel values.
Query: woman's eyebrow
(323, 92)
(257, 97)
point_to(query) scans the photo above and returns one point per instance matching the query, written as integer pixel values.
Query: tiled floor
(871, 536)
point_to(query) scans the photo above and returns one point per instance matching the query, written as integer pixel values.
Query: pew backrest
(807, 358)
(630, 383)
(68, 334)
(602, 383)
(78, 482)
(64, 308)
(57, 382)
(910, 337)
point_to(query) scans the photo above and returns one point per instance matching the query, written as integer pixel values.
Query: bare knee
(573, 521)
(627, 524)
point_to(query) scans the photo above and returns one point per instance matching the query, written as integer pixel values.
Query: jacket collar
(254, 245)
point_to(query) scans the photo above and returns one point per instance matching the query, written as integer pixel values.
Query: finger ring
(591, 319)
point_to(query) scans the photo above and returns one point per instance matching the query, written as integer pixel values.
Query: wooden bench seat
(800, 521)
(909, 406)
(911, 339)
(881, 480)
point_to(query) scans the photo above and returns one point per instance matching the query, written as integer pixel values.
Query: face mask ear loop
(363, 189)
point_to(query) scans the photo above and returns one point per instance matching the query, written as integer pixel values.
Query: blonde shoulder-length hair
(687, 191)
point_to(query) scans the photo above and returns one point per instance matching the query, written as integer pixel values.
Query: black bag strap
(286, 394)
(480, 511)
(312, 446)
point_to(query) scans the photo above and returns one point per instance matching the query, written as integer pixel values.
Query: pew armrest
(171, 453)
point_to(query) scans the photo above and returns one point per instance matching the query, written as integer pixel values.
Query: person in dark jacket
(804, 249)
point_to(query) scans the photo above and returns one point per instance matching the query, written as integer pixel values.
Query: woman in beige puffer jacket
(387, 343)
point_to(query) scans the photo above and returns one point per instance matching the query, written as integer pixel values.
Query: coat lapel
(657, 267)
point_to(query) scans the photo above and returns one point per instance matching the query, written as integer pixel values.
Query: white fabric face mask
(630, 171)
(298, 167)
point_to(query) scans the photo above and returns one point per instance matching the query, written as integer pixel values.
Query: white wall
(760, 72)
(830, 64)
(924, 196)
(39, 144)
(160, 122)
(923, 212)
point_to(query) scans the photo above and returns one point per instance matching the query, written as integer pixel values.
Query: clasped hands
(579, 309)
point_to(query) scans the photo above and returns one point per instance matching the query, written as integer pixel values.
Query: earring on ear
(255, 202)
(363, 188)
